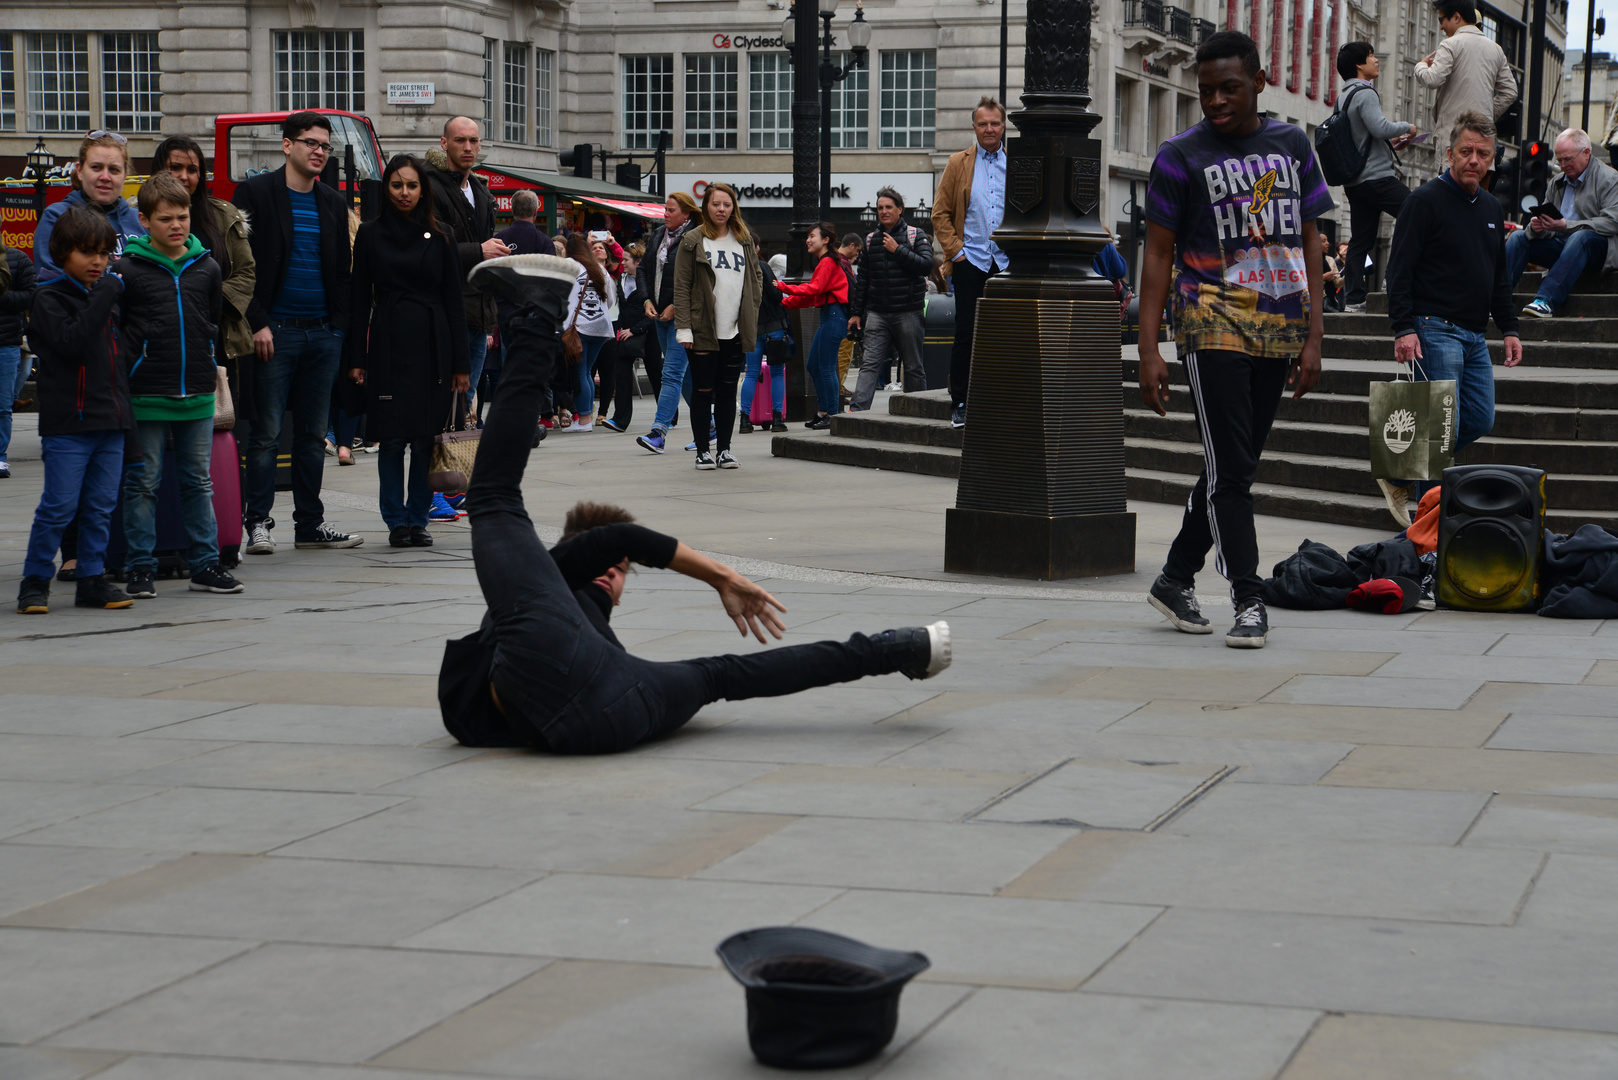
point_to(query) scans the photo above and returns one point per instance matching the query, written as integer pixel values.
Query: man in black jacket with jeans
(888, 296)
(1447, 274)
(299, 314)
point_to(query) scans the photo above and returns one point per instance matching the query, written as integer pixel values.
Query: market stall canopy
(611, 197)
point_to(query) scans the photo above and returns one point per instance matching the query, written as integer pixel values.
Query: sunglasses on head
(113, 135)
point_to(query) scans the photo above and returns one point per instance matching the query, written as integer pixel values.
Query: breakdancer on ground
(539, 673)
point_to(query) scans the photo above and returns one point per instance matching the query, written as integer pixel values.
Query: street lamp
(859, 40)
(41, 161)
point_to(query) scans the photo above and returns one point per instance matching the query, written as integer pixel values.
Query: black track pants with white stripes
(1235, 396)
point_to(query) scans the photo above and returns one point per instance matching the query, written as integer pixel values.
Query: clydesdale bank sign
(851, 189)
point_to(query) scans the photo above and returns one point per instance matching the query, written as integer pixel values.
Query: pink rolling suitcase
(762, 410)
(225, 470)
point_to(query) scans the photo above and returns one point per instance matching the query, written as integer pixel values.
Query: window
(8, 85)
(710, 101)
(648, 100)
(129, 82)
(909, 86)
(769, 101)
(1123, 93)
(488, 88)
(1154, 119)
(851, 107)
(514, 115)
(544, 82)
(1185, 114)
(320, 69)
(59, 82)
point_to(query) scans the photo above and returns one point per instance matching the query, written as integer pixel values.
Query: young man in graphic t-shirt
(1230, 209)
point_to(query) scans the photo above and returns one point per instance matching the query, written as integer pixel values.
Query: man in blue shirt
(970, 203)
(298, 313)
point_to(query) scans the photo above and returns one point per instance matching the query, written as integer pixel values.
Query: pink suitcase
(225, 470)
(762, 410)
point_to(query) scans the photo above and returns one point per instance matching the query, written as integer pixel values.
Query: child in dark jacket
(171, 309)
(83, 411)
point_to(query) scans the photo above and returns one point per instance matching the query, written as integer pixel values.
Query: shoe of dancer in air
(545, 669)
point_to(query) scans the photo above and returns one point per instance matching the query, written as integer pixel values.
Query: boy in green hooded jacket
(171, 308)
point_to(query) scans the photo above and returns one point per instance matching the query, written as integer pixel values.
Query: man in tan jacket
(1468, 70)
(968, 208)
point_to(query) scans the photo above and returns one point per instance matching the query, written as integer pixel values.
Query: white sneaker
(576, 426)
(1398, 500)
(894, 386)
(1354, 309)
(259, 540)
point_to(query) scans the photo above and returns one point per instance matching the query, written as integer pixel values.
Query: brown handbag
(572, 344)
(455, 449)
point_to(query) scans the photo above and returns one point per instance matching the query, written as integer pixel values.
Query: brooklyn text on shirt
(1266, 193)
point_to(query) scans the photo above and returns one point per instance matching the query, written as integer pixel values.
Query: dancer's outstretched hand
(750, 607)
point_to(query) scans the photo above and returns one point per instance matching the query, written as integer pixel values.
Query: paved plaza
(236, 843)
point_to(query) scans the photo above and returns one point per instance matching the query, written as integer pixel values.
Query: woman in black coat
(410, 354)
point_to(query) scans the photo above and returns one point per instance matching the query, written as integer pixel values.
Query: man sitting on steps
(1574, 230)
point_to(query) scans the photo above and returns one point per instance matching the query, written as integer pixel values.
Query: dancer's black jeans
(562, 685)
(713, 390)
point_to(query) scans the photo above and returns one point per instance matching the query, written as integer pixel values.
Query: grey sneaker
(1397, 497)
(259, 540)
(1178, 603)
(1251, 628)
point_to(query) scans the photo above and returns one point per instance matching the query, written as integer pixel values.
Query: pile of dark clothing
(1388, 576)
(1581, 574)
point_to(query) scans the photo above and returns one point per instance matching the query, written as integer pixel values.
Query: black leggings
(562, 685)
(713, 382)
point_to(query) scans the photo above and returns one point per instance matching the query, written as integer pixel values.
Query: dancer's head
(590, 515)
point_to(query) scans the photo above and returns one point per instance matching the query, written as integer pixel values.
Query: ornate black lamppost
(40, 162)
(1041, 493)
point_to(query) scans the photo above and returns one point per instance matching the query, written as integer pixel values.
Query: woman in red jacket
(828, 291)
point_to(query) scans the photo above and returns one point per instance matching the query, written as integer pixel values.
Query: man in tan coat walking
(1469, 71)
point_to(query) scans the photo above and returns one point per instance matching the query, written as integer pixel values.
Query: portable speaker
(1491, 534)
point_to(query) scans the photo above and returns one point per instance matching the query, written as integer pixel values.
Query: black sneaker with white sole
(705, 461)
(920, 651)
(727, 460)
(1178, 603)
(327, 537)
(1251, 628)
(215, 579)
(259, 540)
(141, 585)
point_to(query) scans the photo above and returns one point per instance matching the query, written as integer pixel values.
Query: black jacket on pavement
(18, 298)
(74, 333)
(410, 327)
(1449, 260)
(646, 272)
(269, 217)
(470, 224)
(171, 323)
(891, 282)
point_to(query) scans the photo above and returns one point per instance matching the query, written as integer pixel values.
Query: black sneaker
(215, 579)
(1251, 628)
(327, 537)
(1178, 603)
(68, 573)
(399, 536)
(727, 460)
(777, 424)
(923, 651)
(141, 585)
(819, 423)
(957, 418)
(34, 596)
(420, 537)
(744, 426)
(705, 461)
(98, 592)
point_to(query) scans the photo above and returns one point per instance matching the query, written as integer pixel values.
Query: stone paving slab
(237, 844)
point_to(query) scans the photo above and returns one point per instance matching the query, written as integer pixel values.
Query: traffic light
(628, 174)
(1506, 181)
(581, 159)
(1536, 169)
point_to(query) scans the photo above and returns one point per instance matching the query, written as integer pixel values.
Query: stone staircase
(1557, 411)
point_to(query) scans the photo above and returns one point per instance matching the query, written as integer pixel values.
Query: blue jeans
(193, 454)
(823, 356)
(298, 376)
(477, 348)
(1565, 257)
(24, 369)
(778, 375)
(390, 473)
(676, 377)
(81, 476)
(10, 360)
(585, 401)
(1450, 352)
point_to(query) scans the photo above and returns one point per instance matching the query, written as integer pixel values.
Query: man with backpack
(1356, 152)
(887, 299)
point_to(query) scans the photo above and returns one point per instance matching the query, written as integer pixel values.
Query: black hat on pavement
(817, 1000)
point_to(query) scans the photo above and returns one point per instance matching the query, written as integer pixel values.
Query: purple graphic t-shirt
(1237, 205)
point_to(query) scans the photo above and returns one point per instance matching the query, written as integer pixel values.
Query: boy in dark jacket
(83, 411)
(172, 303)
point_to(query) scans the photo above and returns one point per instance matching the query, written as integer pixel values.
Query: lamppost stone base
(1001, 544)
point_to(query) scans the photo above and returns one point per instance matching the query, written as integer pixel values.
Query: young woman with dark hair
(407, 346)
(828, 291)
(590, 313)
